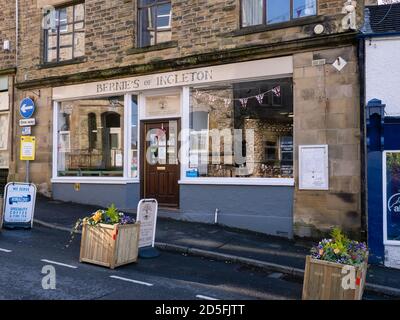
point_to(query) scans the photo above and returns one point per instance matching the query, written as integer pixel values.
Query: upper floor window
(154, 22)
(256, 12)
(64, 36)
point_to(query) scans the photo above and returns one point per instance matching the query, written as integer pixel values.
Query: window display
(242, 130)
(90, 137)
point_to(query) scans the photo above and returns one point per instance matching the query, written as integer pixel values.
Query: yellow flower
(321, 251)
(336, 251)
(97, 216)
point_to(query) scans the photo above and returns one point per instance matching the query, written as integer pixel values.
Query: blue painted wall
(124, 196)
(265, 209)
(382, 134)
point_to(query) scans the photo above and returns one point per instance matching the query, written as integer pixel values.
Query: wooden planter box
(110, 245)
(323, 281)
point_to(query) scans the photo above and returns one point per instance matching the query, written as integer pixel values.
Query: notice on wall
(28, 146)
(147, 216)
(313, 167)
(19, 204)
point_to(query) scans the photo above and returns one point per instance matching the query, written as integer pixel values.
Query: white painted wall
(383, 72)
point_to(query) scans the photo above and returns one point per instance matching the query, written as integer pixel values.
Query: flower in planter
(109, 216)
(340, 249)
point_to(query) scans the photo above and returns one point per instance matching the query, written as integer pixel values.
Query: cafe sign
(282, 66)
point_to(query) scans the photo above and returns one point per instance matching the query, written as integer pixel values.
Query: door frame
(143, 164)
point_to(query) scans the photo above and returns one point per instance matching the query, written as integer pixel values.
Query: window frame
(265, 14)
(156, 4)
(60, 30)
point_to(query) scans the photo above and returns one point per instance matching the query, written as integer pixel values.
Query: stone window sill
(262, 28)
(48, 65)
(156, 47)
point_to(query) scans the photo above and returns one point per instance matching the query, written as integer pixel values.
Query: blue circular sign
(27, 108)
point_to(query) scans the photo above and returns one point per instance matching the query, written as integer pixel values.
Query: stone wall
(7, 32)
(198, 26)
(327, 111)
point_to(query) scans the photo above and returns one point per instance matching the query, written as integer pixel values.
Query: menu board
(313, 167)
(147, 216)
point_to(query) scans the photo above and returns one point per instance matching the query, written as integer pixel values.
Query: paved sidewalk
(218, 242)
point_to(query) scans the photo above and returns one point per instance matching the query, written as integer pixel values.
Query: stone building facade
(207, 36)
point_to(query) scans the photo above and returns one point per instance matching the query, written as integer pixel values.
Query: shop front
(214, 143)
(383, 185)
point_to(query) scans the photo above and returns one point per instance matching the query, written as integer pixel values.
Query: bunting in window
(277, 91)
(244, 101)
(260, 98)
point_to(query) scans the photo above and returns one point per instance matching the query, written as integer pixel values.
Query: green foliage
(113, 214)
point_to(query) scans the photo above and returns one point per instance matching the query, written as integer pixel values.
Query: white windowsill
(289, 182)
(393, 243)
(100, 180)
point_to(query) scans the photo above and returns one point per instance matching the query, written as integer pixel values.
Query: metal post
(27, 172)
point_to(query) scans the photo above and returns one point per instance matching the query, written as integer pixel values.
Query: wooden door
(160, 161)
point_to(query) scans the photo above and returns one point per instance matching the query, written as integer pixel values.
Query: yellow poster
(28, 147)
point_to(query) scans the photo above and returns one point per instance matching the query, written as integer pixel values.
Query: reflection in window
(303, 8)
(261, 145)
(252, 12)
(278, 11)
(154, 22)
(64, 35)
(257, 12)
(90, 137)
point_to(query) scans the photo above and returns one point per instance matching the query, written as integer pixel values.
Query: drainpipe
(16, 31)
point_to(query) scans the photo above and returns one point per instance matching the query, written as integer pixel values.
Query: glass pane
(252, 12)
(65, 40)
(65, 53)
(80, 12)
(172, 143)
(278, 11)
(147, 26)
(393, 195)
(79, 26)
(79, 44)
(303, 8)
(163, 22)
(164, 9)
(90, 137)
(237, 132)
(51, 39)
(164, 36)
(134, 138)
(64, 17)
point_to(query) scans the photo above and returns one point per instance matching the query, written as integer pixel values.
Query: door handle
(161, 168)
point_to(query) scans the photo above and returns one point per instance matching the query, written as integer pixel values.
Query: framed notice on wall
(313, 167)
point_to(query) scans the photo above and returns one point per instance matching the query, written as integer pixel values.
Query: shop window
(154, 22)
(257, 12)
(64, 35)
(86, 148)
(241, 130)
